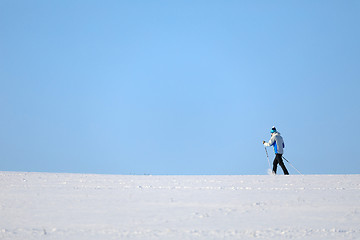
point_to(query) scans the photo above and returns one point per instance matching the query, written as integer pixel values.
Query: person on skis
(278, 142)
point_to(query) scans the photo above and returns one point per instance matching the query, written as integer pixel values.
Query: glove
(263, 142)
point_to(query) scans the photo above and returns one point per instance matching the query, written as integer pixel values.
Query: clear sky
(179, 87)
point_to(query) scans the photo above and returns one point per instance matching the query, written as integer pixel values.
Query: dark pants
(278, 160)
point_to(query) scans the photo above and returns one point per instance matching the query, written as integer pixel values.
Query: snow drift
(85, 206)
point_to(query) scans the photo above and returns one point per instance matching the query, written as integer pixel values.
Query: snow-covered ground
(84, 206)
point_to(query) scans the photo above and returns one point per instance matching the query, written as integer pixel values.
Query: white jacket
(277, 141)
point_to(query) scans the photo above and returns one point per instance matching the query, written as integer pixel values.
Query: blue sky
(178, 87)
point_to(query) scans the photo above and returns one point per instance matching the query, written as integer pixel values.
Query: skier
(277, 141)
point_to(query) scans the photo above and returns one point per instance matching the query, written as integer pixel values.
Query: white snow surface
(89, 206)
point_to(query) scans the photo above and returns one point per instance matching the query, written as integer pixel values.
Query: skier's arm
(270, 143)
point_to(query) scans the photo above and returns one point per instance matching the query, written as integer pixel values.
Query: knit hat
(273, 129)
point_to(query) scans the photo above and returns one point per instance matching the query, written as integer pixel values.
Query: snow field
(86, 206)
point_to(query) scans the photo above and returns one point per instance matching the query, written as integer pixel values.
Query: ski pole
(292, 166)
(267, 155)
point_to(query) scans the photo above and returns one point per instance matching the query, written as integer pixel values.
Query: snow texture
(85, 207)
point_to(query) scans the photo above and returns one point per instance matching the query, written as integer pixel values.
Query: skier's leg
(282, 165)
(275, 165)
